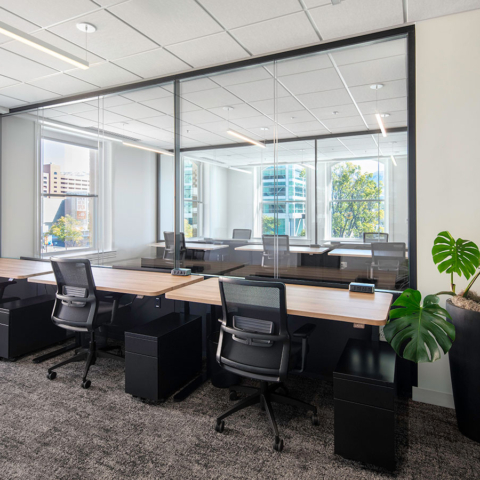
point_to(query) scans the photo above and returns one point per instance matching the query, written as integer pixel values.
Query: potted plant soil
(418, 330)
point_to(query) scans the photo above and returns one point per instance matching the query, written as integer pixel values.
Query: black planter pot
(464, 359)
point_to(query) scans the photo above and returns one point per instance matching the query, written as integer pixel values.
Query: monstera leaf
(455, 256)
(415, 331)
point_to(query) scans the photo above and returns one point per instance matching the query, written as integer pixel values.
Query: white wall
(215, 214)
(18, 187)
(134, 197)
(167, 193)
(448, 159)
(240, 198)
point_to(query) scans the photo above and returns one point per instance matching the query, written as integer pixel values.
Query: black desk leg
(60, 351)
(186, 391)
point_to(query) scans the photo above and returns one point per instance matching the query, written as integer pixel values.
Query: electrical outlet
(343, 265)
(361, 326)
(382, 335)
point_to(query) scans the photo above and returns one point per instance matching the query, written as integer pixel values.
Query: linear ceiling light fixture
(307, 165)
(380, 124)
(42, 46)
(60, 127)
(149, 149)
(393, 160)
(247, 139)
(239, 170)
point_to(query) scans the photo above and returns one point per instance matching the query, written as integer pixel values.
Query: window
(284, 198)
(357, 202)
(191, 198)
(68, 216)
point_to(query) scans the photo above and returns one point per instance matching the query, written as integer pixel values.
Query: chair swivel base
(90, 355)
(264, 396)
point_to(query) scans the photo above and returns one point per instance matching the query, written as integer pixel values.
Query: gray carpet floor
(57, 430)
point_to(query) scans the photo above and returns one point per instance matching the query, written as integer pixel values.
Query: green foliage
(268, 225)
(187, 229)
(455, 256)
(351, 219)
(67, 229)
(415, 331)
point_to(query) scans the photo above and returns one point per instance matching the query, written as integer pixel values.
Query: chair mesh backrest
(388, 254)
(374, 237)
(242, 233)
(272, 243)
(76, 294)
(255, 307)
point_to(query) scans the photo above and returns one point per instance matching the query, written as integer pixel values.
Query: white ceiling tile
(167, 21)
(211, 50)
(113, 38)
(335, 123)
(144, 94)
(27, 93)
(198, 117)
(47, 14)
(63, 84)
(49, 113)
(233, 14)
(218, 127)
(244, 75)
(278, 34)
(316, 3)
(383, 49)
(423, 9)
(285, 104)
(257, 91)
(332, 98)
(21, 68)
(313, 127)
(46, 59)
(375, 71)
(307, 63)
(134, 110)
(352, 17)
(255, 122)
(295, 117)
(77, 121)
(161, 121)
(163, 105)
(104, 75)
(154, 63)
(348, 110)
(395, 89)
(383, 106)
(105, 117)
(241, 110)
(9, 102)
(77, 107)
(216, 97)
(111, 101)
(395, 118)
(314, 81)
(6, 82)
(15, 22)
(196, 85)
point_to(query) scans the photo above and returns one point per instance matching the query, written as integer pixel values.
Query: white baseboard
(434, 398)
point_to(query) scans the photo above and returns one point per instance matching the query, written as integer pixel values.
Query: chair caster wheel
(233, 395)
(278, 444)
(52, 375)
(315, 420)
(86, 384)
(220, 426)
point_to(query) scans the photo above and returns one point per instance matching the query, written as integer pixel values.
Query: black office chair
(78, 308)
(242, 234)
(169, 251)
(273, 244)
(375, 237)
(255, 343)
(388, 257)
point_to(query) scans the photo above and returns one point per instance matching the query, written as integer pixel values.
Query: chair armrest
(304, 331)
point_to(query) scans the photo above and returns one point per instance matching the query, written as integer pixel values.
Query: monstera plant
(418, 330)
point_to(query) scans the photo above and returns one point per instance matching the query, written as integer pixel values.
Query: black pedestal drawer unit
(162, 355)
(26, 325)
(364, 391)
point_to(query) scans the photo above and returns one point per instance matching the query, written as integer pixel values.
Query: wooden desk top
(149, 284)
(194, 246)
(293, 249)
(353, 252)
(317, 302)
(21, 269)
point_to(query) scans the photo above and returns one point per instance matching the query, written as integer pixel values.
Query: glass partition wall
(295, 169)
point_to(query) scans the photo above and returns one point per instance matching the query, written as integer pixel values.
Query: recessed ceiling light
(335, 112)
(264, 128)
(86, 27)
(227, 109)
(384, 115)
(244, 137)
(376, 86)
(293, 118)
